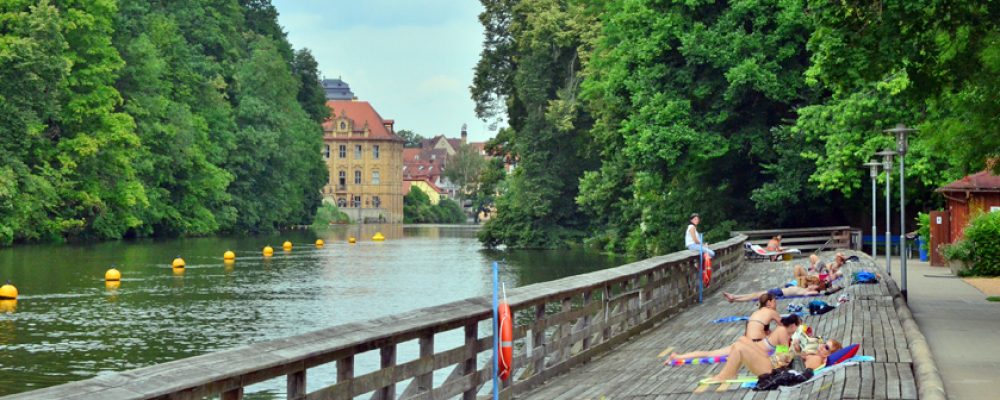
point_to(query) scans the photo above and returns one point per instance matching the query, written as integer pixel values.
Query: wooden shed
(965, 197)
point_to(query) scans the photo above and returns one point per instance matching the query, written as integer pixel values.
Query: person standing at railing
(692, 239)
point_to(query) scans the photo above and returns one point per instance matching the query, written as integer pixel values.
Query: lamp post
(887, 167)
(900, 131)
(873, 170)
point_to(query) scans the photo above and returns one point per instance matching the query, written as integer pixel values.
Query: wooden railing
(808, 240)
(559, 324)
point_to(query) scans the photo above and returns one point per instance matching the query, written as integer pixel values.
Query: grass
(993, 298)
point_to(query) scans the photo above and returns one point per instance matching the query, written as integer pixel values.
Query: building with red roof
(979, 192)
(365, 160)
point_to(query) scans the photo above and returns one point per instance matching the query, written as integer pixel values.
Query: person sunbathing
(780, 336)
(774, 245)
(810, 290)
(804, 279)
(756, 360)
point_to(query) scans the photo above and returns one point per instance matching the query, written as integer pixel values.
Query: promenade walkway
(635, 370)
(961, 327)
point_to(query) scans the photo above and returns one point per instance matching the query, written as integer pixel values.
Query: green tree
(464, 169)
(412, 138)
(311, 96)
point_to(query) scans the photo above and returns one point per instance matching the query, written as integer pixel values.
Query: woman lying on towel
(780, 336)
(811, 290)
(758, 362)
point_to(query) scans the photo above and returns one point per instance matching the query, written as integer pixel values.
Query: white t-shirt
(688, 241)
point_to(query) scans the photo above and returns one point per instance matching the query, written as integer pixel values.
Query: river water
(68, 324)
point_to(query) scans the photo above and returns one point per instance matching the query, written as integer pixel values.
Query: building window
(343, 125)
(357, 177)
(375, 178)
(343, 151)
(357, 152)
(326, 152)
(341, 202)
(343, 178)
(357, 201)
(375, 152)
(376, 201)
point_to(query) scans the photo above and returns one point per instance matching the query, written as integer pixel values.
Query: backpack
(865, 277)
(819, 307)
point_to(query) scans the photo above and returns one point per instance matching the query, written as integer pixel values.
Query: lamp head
(873, 168)
(886, 158)
(900, 132)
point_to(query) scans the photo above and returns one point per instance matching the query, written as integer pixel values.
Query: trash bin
(923, 251)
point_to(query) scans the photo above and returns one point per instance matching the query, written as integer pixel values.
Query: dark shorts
(776, 292)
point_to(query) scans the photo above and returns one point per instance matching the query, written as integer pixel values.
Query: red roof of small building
(983, 181)
(361, 113)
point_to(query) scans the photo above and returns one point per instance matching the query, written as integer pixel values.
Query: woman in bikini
(780, 336)
(810, 290)
(756, 330)
(744, 353)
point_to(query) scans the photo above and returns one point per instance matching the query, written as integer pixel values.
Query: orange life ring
(506, 341)
(706, 273)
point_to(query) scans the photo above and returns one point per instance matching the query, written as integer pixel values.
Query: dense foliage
(330, 214)
(981, 245)
(417, 209)
(756, 114)
(140, 118)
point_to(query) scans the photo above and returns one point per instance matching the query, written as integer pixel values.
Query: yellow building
(433, 192)
(365, 160)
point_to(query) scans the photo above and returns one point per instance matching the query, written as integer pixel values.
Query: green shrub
(329, 214)
(983, 239)
(924, 230)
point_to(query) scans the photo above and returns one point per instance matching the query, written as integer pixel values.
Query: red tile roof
(983, 181)
(360, 113)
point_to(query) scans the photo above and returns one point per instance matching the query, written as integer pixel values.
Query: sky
(413, 60)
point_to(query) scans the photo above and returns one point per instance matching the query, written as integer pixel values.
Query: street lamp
(873, 169)
(887, 167)
(900, 131)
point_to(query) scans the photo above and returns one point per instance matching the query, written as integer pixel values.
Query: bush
(924, 230)
(983, 239)
(329, 214)
(417, 209)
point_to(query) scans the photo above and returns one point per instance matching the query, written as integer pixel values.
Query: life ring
(506, 352)
(706, 272)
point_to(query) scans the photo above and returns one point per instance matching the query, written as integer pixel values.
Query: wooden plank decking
(635, 371)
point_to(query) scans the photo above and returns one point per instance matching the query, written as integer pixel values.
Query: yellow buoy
(178, 262)
(8, 292)
(268, 251)
(8, 306)
(113, 275)
(287, 245)
(229, 255)
(319, 243)
(378, 237)
(178, 271)
(351, 240)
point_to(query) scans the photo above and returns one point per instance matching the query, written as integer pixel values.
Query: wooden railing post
(539, 339)
(296, 386)
(469, 365)
(425, 382)
(388, 359)
(235, 394)
(345, 373)
(606, 332)
(586, 319)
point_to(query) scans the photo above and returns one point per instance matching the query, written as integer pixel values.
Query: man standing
(692, 240)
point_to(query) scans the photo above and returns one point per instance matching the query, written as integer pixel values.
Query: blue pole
(496, 336)
(701, 265)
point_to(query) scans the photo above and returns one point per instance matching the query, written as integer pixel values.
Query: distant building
(428, 162)
(337, 89)
(365, 160)
(432, 191)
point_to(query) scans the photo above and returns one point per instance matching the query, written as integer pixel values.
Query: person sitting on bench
(774, 245)
(692, 240)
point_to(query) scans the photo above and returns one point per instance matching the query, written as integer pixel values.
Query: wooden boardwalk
(635, 370)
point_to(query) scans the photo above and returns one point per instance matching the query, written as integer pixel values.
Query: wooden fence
(559, 324)
(808, 240)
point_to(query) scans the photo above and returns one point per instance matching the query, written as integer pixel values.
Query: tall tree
(463, 169)
(311, 96)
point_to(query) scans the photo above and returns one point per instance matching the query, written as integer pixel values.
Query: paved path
(635, 370)
(961, 327)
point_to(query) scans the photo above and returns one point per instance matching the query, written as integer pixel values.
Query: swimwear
(776, 292)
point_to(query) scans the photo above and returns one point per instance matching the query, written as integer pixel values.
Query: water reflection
(65, 327)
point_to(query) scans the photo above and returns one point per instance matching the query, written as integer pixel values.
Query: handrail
(560, 324)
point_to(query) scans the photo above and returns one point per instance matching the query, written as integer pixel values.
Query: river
(68, 324)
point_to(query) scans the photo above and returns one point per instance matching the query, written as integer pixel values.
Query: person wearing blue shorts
(811, 290)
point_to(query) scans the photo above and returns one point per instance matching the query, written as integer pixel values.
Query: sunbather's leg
(755, 359)
(743, 297)
(698, 354)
